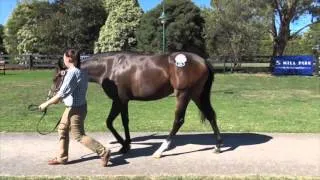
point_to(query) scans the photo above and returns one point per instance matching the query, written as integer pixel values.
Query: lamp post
(163, 19)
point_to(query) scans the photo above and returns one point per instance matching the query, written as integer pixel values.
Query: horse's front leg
(125, 122)
(115, 110)
(183, 99)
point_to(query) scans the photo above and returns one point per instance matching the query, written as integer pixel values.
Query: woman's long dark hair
(74, 55)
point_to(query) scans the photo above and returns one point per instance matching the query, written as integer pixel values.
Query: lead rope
(33, 108)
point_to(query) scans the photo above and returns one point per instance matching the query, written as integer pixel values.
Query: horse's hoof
(217, 151)
(156, 156)
(124, 150)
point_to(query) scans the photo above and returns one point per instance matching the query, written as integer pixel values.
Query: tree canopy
(305, 43)
(287, 12)
(81, 21)
(184, 28)
(2, 48)
(118, 32)
(43, 27)
(244, 26)
(229, 27)
(233, 29)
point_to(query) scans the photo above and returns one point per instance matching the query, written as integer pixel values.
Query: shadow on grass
(231, 142)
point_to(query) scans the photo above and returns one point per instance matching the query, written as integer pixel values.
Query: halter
(55, 88)
(33, 107)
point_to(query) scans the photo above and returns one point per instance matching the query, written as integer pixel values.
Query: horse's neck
(95, 71)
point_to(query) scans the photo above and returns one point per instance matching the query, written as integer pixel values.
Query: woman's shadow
(152, 142)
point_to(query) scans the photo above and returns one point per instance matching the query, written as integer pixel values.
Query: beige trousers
(73, 120)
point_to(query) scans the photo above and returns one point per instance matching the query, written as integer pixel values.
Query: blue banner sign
(293, 65)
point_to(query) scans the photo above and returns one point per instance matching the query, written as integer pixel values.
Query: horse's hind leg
(210, 114)
(183, 99)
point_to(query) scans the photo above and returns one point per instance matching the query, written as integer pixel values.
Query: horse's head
(58, 77)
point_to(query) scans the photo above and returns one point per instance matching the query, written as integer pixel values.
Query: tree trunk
(280, 42)
(283, 37)
(280, 39)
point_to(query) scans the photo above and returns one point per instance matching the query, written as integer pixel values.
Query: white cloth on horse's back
(74, 87)
(181, 60)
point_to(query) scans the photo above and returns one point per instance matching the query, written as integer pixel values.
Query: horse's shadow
(231, 142)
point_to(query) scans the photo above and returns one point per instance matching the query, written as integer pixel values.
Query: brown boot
(105, 158)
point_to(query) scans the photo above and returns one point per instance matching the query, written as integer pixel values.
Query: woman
(73, 93)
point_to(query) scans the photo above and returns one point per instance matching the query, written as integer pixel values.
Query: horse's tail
(205, 104)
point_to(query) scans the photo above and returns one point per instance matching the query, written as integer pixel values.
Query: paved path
(243, 154)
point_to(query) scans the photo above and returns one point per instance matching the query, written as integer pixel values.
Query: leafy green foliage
(43, 27)
(257, 27)
(184, 28)
(2, 49)
(15, 22)
(304, 44)
(26, 38)
(286, 12)
(80, 22)
(234, 28)
(119, 29)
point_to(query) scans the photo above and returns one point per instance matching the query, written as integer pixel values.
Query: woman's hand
(43, 106)
(54, 100)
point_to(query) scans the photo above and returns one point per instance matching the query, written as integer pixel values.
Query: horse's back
(164, 70)
(150, 77)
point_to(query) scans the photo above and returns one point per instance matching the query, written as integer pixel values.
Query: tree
(305, 43)
(118, 33)
(23, 29)
(15, 22)
(2, 49)
(49, 27)
(28, 36)
(80, 22)
(289, 11)
(184, 28)
(234, 28)
(313, 35)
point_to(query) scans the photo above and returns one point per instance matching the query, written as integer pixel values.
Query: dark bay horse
(128, 76)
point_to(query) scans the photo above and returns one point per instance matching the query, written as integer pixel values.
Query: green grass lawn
(243, 103)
